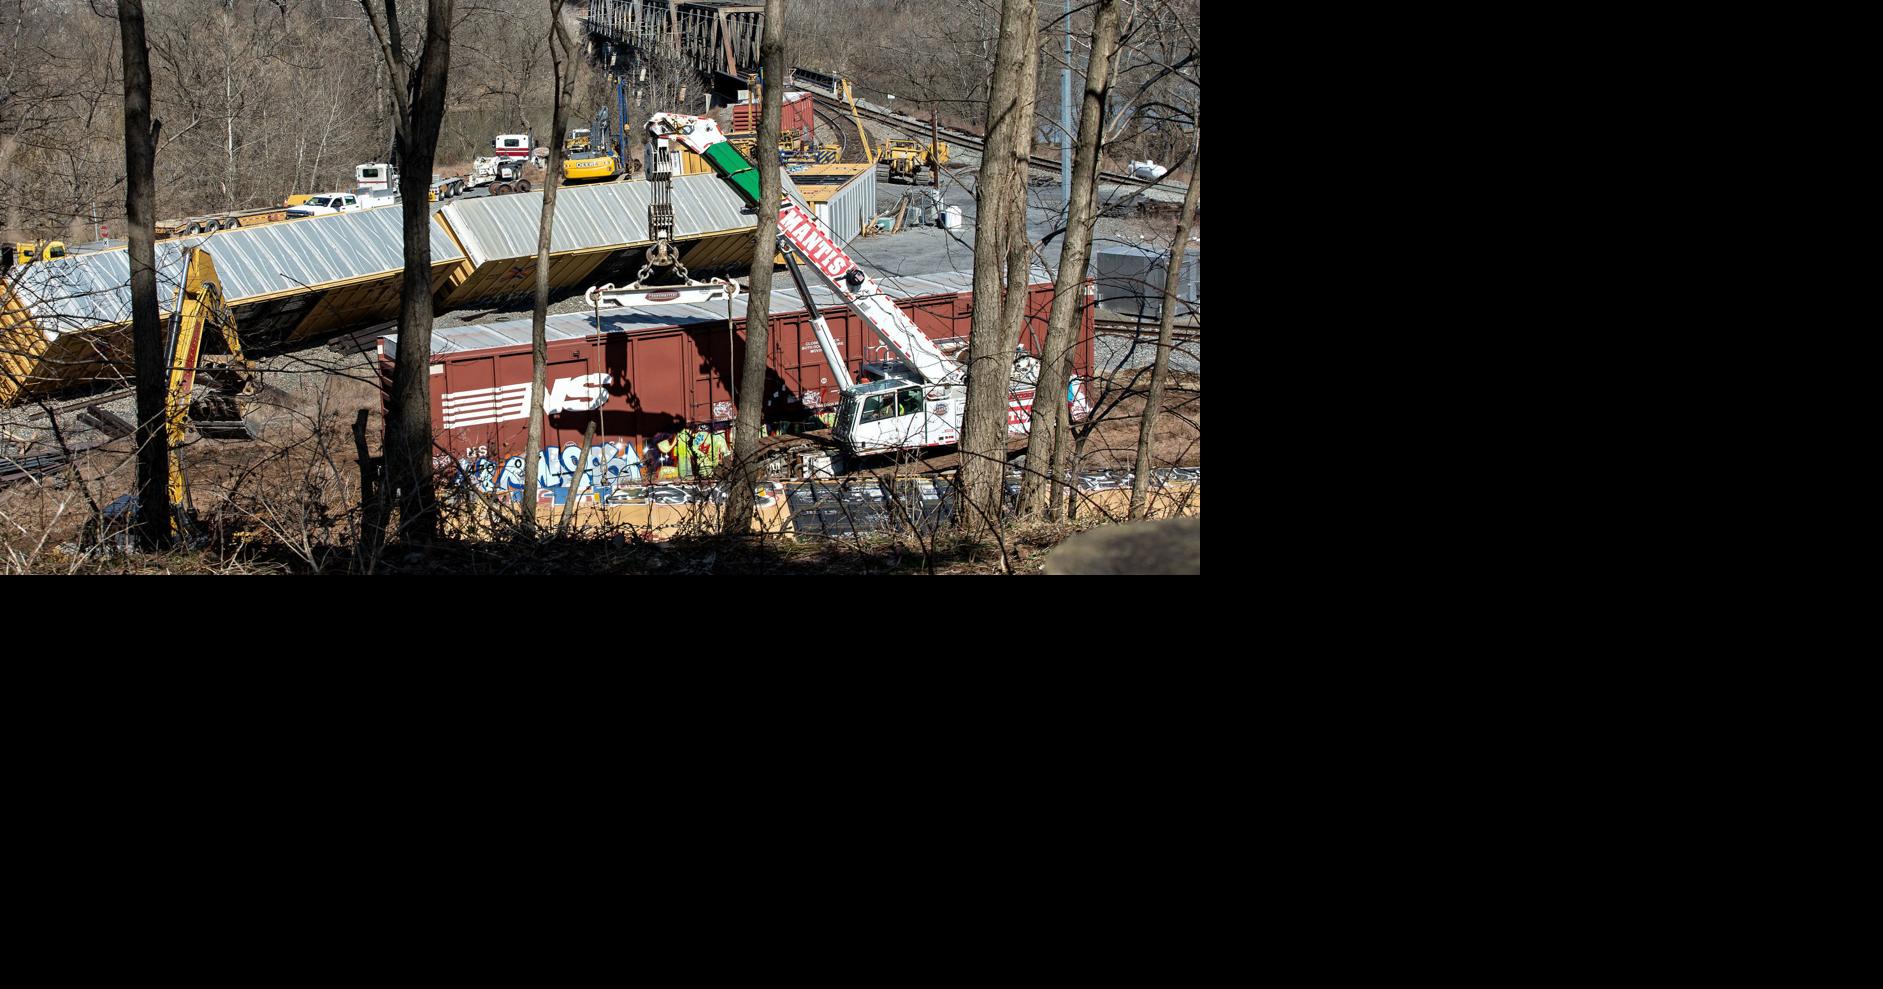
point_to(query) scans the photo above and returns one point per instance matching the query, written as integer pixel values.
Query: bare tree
(1173, 280)
(1047, 445)
(562, 62)
(999, 190)
(745, 432)
(420, 98)
(153, 406)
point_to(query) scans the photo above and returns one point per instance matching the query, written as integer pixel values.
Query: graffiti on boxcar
(692, 453)
(609, 463)
(557, 468)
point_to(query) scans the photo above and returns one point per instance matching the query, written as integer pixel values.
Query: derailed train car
(65, 323)
(659, 380)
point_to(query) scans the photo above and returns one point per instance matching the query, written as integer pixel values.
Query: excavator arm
(201, 310)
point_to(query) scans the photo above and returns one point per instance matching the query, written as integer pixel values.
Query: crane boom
(864, 297)
(812, 240)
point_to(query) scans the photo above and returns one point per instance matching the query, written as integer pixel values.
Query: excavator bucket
(219, 417)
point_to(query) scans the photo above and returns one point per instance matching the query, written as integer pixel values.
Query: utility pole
(1065, 118)
(934, 147)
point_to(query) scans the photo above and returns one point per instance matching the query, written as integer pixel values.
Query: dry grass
(1113, 442)
(1022, 549)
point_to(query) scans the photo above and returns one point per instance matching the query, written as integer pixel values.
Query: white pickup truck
(336, 202)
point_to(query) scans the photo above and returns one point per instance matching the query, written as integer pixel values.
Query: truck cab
(899, 413)
(891, 409)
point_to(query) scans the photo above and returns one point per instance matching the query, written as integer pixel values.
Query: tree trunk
(1147, 426)
(990, 354)
(147, 337)
(408, 445)
(588, 443)
(745, 433)
(1046, 448)
(1018, 246)
(1019, 249)
(562, 63)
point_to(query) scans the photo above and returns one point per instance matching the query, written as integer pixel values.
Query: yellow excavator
(208, 377)
(589, 155)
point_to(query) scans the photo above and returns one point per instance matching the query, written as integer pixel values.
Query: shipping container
(794, 116)
(842, 195)
(659, 377)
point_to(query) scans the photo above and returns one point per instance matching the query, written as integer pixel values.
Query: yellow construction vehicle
(29, 251)
(906, 158)
(230, 376)
(793, 151)
(589, 158)
(590, 166)
(215, 409)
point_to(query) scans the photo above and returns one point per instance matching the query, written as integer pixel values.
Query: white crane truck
(917, 399)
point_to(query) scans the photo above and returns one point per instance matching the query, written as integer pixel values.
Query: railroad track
(98, 399)
(918, 129)
(837, 118)
(913, 463)
(16, 469)
(33, 468)
(1134, 328)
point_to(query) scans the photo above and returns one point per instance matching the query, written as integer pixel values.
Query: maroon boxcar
(661, 377)
(794, 115)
